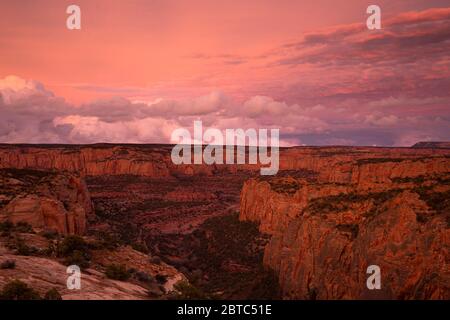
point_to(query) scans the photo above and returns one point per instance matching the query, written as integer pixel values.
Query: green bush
(161, 278)
(186, 291)
(143, 276)
(18, 290)
(70, 244)
(24, 227)
(6, 226)
(75, 250)
(140, 246)
(50, 234)
(117, 272)
(78, 258)
(50, 251)
(106, 240)
(22, 249)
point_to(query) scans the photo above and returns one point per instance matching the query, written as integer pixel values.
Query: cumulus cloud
(32, 114)
(343, 85)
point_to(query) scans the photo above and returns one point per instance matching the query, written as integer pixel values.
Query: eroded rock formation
(45, 200)
(330, 212)
(340, 214)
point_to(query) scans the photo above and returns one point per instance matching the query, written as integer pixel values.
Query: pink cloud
(344, 84)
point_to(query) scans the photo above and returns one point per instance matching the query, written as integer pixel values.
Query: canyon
(308, 232)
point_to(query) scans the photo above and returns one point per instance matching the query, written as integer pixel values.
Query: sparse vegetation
(6, 226)
(438, 202)
(187, 291)
(52, 294)
(140, 246)
(143, 276)
(344, 201)
(107, 240)
(285, 186)
(22, 249)
(379, 160)
(415, 180)
(75, 250)
(117, 272)
(161, 279)
(225, 259)
(50, 234)
(18, 290)
(23, 227)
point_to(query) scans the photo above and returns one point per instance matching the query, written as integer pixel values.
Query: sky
(137, 70)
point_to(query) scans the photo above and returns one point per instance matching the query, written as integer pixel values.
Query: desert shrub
(140, 246)
(49, 251)
(417, 180)
(6, 226)
(52, 294)
(23, 227)
(50, 234)
(106, 240)
(18, 290)
(78, 258)
(70, 244)
(284, 186)
(143, 276)
(5, 234)
(161, 278)
(186, 291)
(438, 201)
(117, 272)
(22, 249)
(75, 250)
(8, 264)
(379, 160)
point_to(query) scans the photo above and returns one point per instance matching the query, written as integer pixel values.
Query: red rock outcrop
(334, 163)
(331, 211)
(326, 230)
(97, 160)
(45, 200)
(44, 273)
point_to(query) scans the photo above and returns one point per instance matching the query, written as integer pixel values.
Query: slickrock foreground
(40, 212)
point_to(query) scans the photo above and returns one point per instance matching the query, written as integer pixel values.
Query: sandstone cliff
(330, 211)
(98, 160)
(43, 271)
(333, 163)
(45, 200)
(337, 215)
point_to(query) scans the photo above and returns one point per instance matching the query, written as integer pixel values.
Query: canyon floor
(143, 228)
